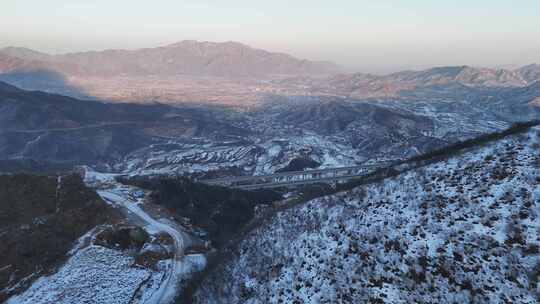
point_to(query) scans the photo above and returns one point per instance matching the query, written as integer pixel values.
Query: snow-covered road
(168, 288)
(96, 274)
(118, 195)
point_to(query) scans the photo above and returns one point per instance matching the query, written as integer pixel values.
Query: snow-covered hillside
(330, 132)
(466, 230)
(94, 275)
(248, 158)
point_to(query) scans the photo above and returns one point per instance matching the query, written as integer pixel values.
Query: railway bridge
(297, 178)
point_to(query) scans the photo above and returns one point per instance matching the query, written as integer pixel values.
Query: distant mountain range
(225, 73)
(228, 73)
(361, 85)
(233, 59)
(230, 59)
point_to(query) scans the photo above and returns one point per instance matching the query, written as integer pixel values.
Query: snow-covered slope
(461, 231)
(94, 275)
(245, 157)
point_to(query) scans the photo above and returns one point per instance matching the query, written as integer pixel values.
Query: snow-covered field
(251, 158)
(462, 231)
(93, 275)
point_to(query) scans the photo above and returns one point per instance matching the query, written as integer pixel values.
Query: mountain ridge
(456, 230)
(461, 73)
(188, 57)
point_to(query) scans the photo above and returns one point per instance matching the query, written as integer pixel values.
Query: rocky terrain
(464, 229)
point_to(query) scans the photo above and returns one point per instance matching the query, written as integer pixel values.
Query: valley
(438, 201)
(269, 152)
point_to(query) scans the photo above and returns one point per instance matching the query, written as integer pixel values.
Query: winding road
(116, 195)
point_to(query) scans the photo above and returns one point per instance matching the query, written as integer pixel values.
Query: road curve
(168, 288)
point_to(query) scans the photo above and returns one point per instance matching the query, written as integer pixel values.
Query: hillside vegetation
(220, 212)
(461, 230)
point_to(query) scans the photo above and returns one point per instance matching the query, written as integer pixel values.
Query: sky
(362, 35)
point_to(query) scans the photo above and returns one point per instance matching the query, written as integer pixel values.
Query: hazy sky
(373, 36)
